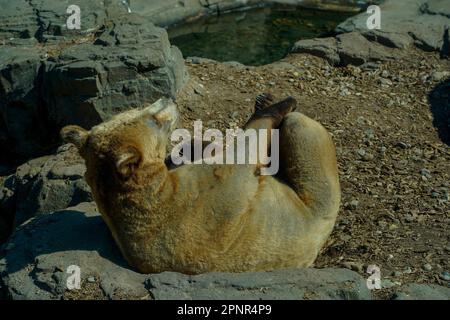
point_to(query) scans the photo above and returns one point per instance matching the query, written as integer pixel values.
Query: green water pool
(254, 37)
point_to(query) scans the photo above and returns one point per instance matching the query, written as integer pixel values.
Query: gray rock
(46, 20)
(437, 7)
(353, 204)
(355, 49)
(440, 75)
(44, 248)
(289, 284)
(389, 39)
(22, 124)
(325, 48)
(424, 21)
(349, 48)
(426, 173)
(17, 20)
(402, 24)
(427, 267)
(387, 284)
(422, 292)
(44, 185)
(445, 276)
(128, 64)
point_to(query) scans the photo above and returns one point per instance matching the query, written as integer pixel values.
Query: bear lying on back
(200, 218)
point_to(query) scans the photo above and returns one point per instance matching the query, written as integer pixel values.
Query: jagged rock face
(41, 186)
(51, 76)
(127, 66)
(415, 291)
(420, 22)
(403, 23)
(340, 51)
(23, 131)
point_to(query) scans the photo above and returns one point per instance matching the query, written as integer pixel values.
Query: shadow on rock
(34, 262)
(65, 231)
(439, 100)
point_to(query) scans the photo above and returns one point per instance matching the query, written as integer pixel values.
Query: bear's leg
(308, 163)
(268, 115)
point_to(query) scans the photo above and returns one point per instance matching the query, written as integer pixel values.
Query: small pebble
(385, 82)
(401, 145)
(439, 75)
(91, 279)
(425, 173)
(353, 204)
(361, 152)
(369, 134)
(407, 270)
(344, 92)
(435, 194)
(427, 267)
(397, 273)
(445, 276)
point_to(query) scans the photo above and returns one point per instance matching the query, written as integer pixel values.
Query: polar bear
(202, 218)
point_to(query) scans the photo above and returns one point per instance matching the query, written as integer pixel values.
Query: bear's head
(116, 149)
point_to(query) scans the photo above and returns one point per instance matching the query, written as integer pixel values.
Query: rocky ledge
(51, 76)
(423, 23)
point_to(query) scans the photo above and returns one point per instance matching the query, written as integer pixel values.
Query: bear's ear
(164, 112)
(127, 161)
(74, 134)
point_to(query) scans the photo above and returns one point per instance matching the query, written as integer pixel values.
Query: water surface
(254, 37)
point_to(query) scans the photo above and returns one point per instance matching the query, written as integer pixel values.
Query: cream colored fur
(200, 218)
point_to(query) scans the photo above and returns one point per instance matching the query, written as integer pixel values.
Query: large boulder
(348, 48)
(34, 264)
(129, 65)
(23, 131)
(45, 20)
(51, 76)
(416, 291)
(289, 284)
(17, 20)
(403, 23)
(43, 185)
(422, 22)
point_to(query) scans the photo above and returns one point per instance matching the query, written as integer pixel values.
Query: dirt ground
(394, 164)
